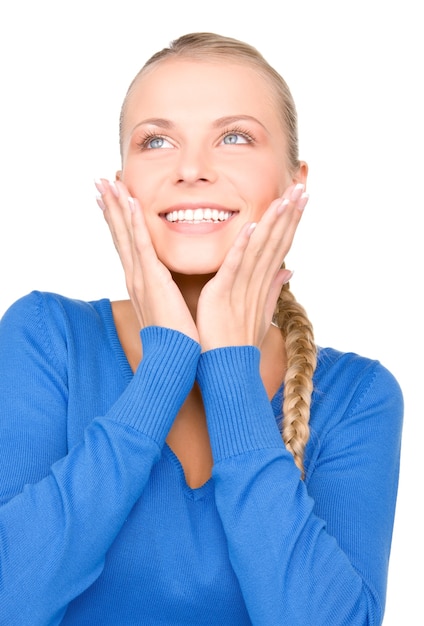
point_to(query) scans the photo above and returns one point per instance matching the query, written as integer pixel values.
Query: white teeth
(198, 215)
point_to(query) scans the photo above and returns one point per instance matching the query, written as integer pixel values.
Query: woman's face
(204, 152)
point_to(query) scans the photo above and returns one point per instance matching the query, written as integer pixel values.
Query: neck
(190, 287)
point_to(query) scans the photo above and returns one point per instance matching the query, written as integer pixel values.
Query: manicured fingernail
(286, 280)
(297, 192)
(114, 189)
(281, 207)
(303, 201)
(100, 203)
(99, 185)
(131, 204)
(251, 228)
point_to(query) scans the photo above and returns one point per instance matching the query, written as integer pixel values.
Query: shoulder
(348, 369)
(51, 319)
(356, 411)
(44, 304)
(350, 385)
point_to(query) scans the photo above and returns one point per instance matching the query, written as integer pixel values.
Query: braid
(297, 332)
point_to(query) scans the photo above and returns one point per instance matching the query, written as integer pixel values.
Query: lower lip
(202, 228)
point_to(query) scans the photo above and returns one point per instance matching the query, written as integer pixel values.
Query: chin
(185, 269)
(193, 263)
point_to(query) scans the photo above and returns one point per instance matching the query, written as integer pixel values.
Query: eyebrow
(232, 119)
(219, 123)
(155, 121)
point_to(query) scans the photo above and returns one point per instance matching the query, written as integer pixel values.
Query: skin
(215, 140)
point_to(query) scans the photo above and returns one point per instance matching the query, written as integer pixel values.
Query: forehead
(183, 88)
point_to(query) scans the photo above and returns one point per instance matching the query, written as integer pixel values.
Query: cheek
(264, 182)
(139, 180)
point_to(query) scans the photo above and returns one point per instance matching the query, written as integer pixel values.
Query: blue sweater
(99, 527)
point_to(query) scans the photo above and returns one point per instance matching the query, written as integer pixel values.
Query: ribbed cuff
(161, 383)
(239, 413)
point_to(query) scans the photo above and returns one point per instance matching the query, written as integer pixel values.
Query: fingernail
(282, 206)
(303, 201)
(131, 204)
(100, 203)
(114, 189)
(297, 192)
(288, 278)
(251, 228)
(99, 185)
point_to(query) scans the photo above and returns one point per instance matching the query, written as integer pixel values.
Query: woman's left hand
(236, 306)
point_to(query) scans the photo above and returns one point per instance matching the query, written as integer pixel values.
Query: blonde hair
(289, 316)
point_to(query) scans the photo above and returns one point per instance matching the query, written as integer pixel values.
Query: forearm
(55, 533)
(290, 568)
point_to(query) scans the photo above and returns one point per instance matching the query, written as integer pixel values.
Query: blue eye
(157, 142)
(234, 138)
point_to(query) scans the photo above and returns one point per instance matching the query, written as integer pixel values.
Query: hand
(156, 298)
(236, 306)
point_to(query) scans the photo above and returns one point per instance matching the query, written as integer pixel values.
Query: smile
(197, 216)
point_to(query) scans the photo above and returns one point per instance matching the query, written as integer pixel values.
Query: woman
(188, 456)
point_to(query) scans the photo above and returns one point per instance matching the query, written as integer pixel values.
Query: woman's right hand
(155, 296)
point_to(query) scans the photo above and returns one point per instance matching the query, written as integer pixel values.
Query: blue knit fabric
(98, 525)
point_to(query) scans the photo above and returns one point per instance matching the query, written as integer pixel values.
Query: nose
(194, 165)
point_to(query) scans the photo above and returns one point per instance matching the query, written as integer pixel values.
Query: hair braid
(301, 351)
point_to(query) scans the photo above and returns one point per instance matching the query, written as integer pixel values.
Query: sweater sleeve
(60, 510)
(311, 552)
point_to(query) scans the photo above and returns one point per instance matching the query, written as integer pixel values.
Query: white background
(355, 70)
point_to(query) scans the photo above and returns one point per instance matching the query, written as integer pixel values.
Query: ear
(301, 173)
(118, 175)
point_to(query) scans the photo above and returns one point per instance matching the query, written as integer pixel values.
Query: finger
(113, 196)
(259, 279)
(239, 264)
(233, 260)
(281, 278)
(158, 300)
(280, 221)
(257, 251)
(116, 214)
(148, 271)
(267, 237)
(275, 232)
(292, 208)
(142, 243)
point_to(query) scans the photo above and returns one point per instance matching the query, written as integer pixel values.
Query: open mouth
(198, 216)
